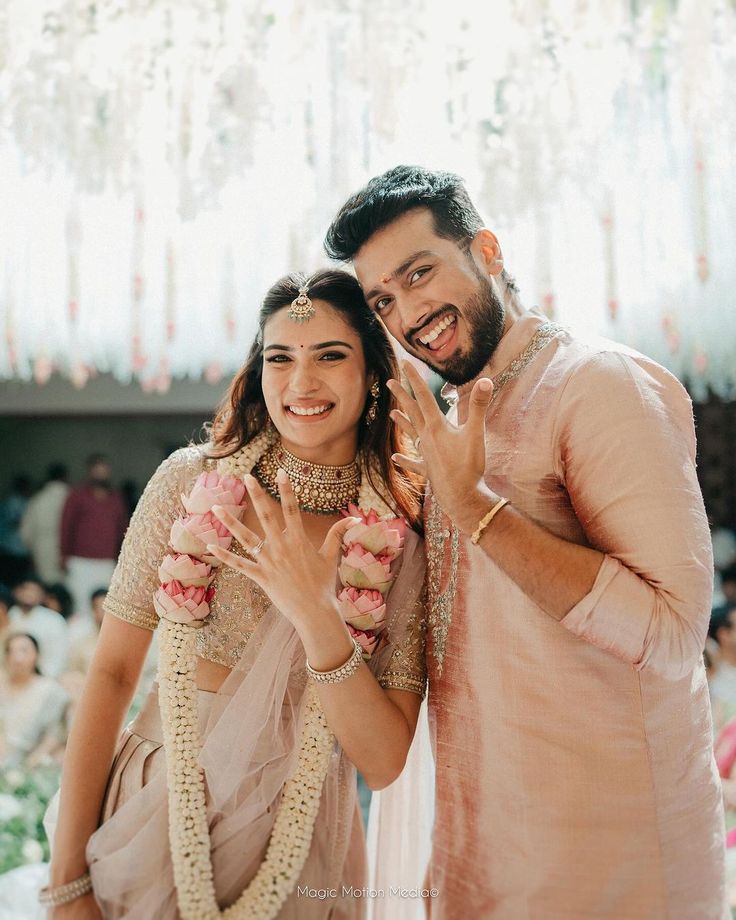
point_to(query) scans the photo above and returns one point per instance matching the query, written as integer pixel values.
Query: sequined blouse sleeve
(406, 668)
(130, 596)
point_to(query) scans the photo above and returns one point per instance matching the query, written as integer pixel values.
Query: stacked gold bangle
(485, 521)
(339, 674)
(63, 894)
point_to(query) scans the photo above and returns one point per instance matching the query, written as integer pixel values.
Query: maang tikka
(302, 308)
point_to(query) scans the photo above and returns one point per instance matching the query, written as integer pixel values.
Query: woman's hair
(22, 635)
(243, 414)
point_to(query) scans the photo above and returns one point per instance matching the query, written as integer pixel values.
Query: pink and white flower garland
(183, 603)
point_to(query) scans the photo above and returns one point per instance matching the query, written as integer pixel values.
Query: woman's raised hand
(299, 579)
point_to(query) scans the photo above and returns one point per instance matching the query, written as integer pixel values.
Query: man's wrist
(474, 508)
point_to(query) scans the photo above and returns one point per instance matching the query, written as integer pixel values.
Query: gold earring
(372, 412)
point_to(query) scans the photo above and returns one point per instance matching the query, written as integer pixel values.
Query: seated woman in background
(32, 707)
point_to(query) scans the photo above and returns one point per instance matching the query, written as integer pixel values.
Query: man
(47, 627)
(93, 524)
(568, 700)
(41, 524)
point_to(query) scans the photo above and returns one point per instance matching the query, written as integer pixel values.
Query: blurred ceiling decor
(163, 161)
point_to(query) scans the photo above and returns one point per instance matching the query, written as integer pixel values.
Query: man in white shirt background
(46, 626)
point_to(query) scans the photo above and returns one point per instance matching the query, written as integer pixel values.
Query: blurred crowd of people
(58, 548)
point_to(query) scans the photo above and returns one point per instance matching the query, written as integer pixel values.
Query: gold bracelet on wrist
(63, 894)
(485, 521)
(339, 674)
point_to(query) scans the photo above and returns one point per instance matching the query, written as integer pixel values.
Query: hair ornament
(302, 308)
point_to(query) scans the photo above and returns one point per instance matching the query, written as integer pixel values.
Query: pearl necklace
(318, 489)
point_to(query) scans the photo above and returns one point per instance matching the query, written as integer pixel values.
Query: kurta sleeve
(627, 458)
(135, 579)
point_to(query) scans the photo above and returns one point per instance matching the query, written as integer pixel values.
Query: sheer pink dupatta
(249, 750)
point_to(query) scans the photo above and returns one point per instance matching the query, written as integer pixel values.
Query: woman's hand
(299, 579)
(84, 908)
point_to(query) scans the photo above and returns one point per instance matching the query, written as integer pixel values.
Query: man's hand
(452, 457)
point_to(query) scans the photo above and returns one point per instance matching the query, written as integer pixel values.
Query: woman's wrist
(325, 637)
(62, 873)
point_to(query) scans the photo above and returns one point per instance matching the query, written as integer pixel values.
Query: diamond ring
(256, 549)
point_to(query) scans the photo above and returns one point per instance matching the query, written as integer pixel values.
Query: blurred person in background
(47, 627)
(32, 707)
(58, 598)
(41, 524)
(93, 524)
(82, 647)
(6, 602)
(15, 559)
(727, 591)
(131, 492)
(723, 682)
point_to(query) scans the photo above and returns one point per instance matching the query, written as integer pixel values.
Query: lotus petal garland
(182, 602)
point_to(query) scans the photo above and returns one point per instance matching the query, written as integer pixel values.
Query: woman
(31, 707)
(281, 799)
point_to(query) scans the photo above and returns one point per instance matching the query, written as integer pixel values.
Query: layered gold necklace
(318, 489)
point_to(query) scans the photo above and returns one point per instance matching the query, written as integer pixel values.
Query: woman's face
(20, 657)
(315, 384)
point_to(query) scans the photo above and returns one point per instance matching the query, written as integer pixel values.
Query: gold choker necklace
(318, 489)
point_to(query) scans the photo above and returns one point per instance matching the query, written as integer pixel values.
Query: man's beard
(484, 316)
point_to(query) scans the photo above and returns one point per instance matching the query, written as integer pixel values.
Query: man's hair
(56, 471)
(31, 579)
(94, 459)
(728, 574)
(387, 197)
(98, 592)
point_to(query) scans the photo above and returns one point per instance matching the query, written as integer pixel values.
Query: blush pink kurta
(575, 775)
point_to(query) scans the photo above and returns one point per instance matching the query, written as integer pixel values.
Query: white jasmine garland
(293, 827)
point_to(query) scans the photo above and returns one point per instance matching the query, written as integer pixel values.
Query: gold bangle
(485, 521)
(64, 894)
(339, 674)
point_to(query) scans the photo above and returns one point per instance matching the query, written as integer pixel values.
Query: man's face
(100, 473)
(28, 594)
(434, 297)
